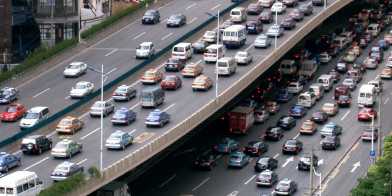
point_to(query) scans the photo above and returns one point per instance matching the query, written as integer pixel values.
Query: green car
(66, 149)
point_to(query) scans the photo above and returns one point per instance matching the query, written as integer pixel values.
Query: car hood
(79, 91)
(29, 121)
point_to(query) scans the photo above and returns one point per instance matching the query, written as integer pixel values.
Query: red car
(171, 82)
(365, 114)
(13, 112)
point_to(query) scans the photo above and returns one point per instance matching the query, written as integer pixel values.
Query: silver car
(75, 69)
(119, 140)
(145, 50)
(262, 41)
(243, 58)
(102, 107)
(275, 31)
(65, 170)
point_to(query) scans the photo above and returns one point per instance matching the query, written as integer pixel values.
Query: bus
(20, 183)
(152, 97)
(367, 95)
(234, 36)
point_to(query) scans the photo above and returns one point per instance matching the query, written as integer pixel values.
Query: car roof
(66, 141)
(76, 63)
(117, 132)
(146, 44)
(37, 109)
(66, 164)
(33, 136)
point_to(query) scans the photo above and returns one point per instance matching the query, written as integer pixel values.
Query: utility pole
(311, 173)
(380, 133)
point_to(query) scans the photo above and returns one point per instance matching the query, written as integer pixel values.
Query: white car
(325, 57)
(210, 36)
(370, 63)
(278, 7)
(145, 50)
(275, 31)
(81, 89)
(295, 87)
(350, 83)
(262, 41)
(389, 62)
(243, 58)
(75, 69)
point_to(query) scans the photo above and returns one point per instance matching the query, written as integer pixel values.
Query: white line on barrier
(213, 8)
(139, 35)
(35, 164)
(84, 137)
(166, 36)
(190, 6)
(345, 115)
(81, 162)
(250, 179)
(40, 93)
(111, 52)
(201, 184)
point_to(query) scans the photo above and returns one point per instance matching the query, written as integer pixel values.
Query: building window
(68, 31)
(46, 31)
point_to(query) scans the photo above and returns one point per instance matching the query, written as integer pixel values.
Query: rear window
(179, 49)
(235, 13)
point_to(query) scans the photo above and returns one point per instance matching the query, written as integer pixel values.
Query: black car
(292, 146)
(319, 117)
(266, 16)
(256, 148)
(264, 163)
(273, 134)
(176, 20)
(8, 95)
(330, 143)
(36, 144)
(174, 64)
(254, 9)
(288, 23)
(254, 26)
(318, 2)
(151, 17)
(200, 47)
(306, 8)
(286, 122)
(304, 162)
(207, 160)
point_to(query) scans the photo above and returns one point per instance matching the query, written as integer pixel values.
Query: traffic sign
(372, 153)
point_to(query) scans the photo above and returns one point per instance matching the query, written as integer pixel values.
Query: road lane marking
(35, 164)
(276, 156)
(111, 52)
(51, 134)
(234, 193)
(190, 6)
(213, 8)
(84, 115)
(111, 71)
(143, 137)
(201, 184)
(355, 166)
(386, 100)
(170, 106)
(193, 20)
(81, 162)
(133, 107)
(288, 160)
(40, 93)
(250, 179)
(166, 36)
(139, 35)
(296, 136)
(133, 131)
(345, 115)
(249, 47)
(167, 181)
(92, 132)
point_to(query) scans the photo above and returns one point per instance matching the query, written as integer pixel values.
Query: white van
(307, 99)
(288, 67)
(317, 89)
(367, 95)
(182, 51)
(373, 29)
(326, 80)
(210, 56)
(238, 14)
(226, 66)
(341, 42)
(34, 116)
(20, 183)
(234, 36)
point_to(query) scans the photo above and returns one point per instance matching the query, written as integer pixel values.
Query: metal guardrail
(116, 81)
(158, 144)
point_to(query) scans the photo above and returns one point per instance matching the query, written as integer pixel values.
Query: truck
(240, 119)
(308, 68)
(114, 188)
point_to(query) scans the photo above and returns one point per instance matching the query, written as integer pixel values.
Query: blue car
(283, 96)
(238, 159)
(123, 116)
(227, 145)
(383, 44)
(157, 118)
(8, 161)
(297, 111)
(8, 95)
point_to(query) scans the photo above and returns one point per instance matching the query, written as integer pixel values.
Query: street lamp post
(216, 64)
(325, 4)
(276, 23)
(380, 133)
(372, 148)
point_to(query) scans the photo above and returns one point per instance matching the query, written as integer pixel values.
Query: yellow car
(192, 70)
(152, 76)
(330, 108)
(69, 125)
(202, 82)
(386, 73)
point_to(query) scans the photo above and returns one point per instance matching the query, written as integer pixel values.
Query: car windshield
(261, 37)
(155, 114)
(348, 81)
(66, 122)
(222, 64)
(121, 89)
(73, 66)
(81, 86)
(211, 50)
(283, 185)
(115, 136)
(144, 47)
(292, 85)
(291, 143)
(62, 168)
(149, 13)
(61, 145)
(149, 74)
(242, 54)
(210, 33)
(28, 141)
(5, 92)
(343, 97)
(329, 128)
(236, 157)
(328, 105)
(11, 109)
(31, 115)
(265, 175)
(235, 13)
(263, 161)
(120, 114)
(171, 78)
(178, 49)
(99, 105)
(174, 17)
(307, 125)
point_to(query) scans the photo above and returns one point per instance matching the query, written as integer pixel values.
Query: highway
(343, 166)
(177, 104)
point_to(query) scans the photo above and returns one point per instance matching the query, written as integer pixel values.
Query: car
(297, 111)
(367, 135)
(227, 145)
(174, 64)
(383, 44)
(152, 76)
(286, 122)
(308, 127)
(330, 108)
(304, 162)
(350, 83)
(262, 41)
(265, 16)
(151, 17)
(35, 144)
(275, 30)
(357, 50)
(210, 36)
(349, 57)
(344, 101)
(330, 142)
(199, 47)
(207, 160)
(225, 24)
(295, 87)
(192, 70)
(361, 68)
(267, 178)
(256, 148)
(341, 67)
(145, 50)
(366, 114)
(75, 69)
(157, 118)
(9, 161)
(34, 116)
(331, 129)
(66, 148)
(176, 20)
(69, 125)
(261, 115)
(119, 140)
(124, 93)
(297, 15)
(238, 159)
(290, 3)
(273, 134)
(254, 26)
(123, 116)
(386, 73)
(171, 82)
(266, 163)
(388, 38)
(81, 90)
(202, 82)
(335, 75)
(286, 187)
(318, 2)
(243, 58)
(378, 84)
(292, 146)
(65, 170)
(370, 63)
(8, 95)
(283, 96)
(363, 42)
(319, 117)
(272, 107)
(278, 7)
(254, 9)
(306, 8)
(103, 108)
(288, 23)
(13, 112)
